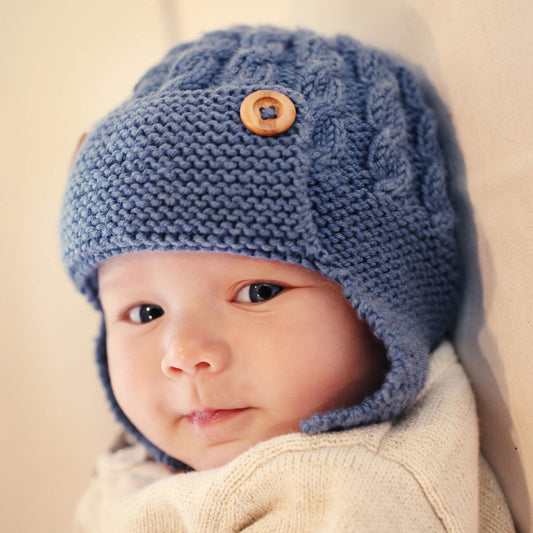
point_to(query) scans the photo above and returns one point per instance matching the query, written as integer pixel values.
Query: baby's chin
(221, 453)
(215, 456)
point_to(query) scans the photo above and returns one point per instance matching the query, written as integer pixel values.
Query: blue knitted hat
(355, 188)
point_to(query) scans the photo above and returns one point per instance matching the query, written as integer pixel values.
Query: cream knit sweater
(422, 473)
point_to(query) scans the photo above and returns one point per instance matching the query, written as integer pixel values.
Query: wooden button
(267, 112)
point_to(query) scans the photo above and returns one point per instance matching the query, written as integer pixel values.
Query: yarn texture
(356, 189)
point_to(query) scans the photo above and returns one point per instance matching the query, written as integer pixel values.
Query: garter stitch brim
(355, 189)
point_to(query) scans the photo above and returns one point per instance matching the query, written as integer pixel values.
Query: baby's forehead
(202, 263)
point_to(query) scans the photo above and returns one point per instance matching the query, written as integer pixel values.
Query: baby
(211, 353)
(265, 226)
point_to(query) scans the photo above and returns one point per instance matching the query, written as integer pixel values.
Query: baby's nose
(188, 352)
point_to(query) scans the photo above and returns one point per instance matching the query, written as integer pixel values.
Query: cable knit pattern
(355, 189)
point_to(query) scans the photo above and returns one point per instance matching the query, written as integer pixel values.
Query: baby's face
(212, 353)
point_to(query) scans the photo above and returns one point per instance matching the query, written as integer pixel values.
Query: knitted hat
(355, 188)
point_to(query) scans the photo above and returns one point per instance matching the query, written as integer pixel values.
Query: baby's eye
(143, 313)
(258, 292)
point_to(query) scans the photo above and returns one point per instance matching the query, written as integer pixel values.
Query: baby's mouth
(212, 416)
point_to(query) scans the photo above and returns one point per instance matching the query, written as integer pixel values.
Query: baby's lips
(211, 416)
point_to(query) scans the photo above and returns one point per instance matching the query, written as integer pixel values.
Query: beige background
(65, 63)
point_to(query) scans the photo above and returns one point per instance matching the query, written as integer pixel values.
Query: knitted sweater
(420, 473)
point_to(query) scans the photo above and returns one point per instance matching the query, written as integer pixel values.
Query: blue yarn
(355, 189)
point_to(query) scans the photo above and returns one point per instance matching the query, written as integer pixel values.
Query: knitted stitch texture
(355, 189)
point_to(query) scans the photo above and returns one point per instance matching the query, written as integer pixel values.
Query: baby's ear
(77, 149)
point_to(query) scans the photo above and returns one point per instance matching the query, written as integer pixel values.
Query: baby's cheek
(124, 373)
(121, 380)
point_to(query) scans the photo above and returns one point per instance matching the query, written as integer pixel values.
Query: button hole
(268, 113)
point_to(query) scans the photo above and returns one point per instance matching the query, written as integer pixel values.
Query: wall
(64, 64)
